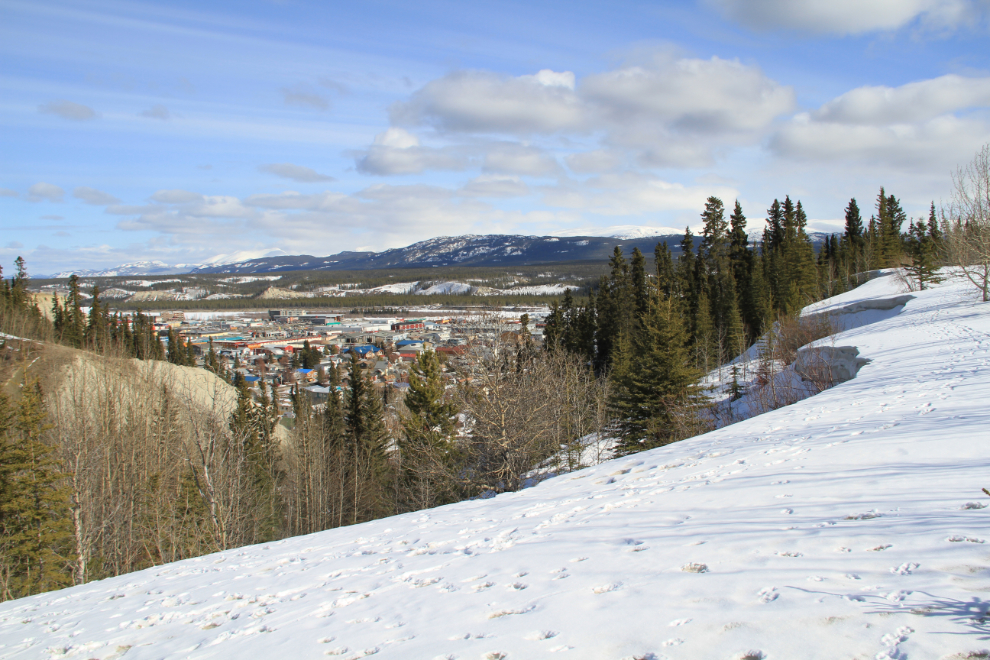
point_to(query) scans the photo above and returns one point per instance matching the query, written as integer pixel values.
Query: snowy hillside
(848, 525)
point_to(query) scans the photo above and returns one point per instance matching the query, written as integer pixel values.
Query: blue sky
(181, 131)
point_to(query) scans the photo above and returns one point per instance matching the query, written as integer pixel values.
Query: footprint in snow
(964, 539)
(767, 595)
(541, 635)
(606, 588)
(904, 569)
(679, 622)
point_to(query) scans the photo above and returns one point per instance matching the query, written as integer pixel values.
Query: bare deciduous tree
(966, 221)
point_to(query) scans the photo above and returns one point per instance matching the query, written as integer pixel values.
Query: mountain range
(490, 250)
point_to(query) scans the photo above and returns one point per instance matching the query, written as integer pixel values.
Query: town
(292, 348)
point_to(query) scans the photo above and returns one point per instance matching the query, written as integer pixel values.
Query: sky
(186, 132)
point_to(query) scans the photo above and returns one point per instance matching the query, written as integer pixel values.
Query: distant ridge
(490, 250)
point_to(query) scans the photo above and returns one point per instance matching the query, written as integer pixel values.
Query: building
(410, 324)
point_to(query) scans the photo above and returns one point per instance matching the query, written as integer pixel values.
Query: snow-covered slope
(848, 525)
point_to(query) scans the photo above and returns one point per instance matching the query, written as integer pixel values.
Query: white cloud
(94, 196)
(157, 112)
(295, 201)
(396, 151)
(509, 158)
(7, 192)
(552, 78)
(176, 196)
(918, 126)
(486, 102)
(493, 186)
(690, 95)
(913, 102)
(631, 194)
(68, 110)
(42, 191)
(397, 138)
(295, 172)
(667, 112)
(941, 142)
(304, 99)
(850, 16)
(594, 162)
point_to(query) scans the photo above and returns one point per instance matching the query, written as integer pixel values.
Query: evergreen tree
(924, 258)
(35, 540)
(73, 332)
(637, 281)
(429, 454)
(853, 234)
(666, 276)
(366, 446)
(655, 394)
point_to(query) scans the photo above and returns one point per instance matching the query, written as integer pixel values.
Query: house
(364, 351)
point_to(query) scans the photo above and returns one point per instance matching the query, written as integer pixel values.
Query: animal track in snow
(541, 635)
(767, 595)
(695, 568)
(964, 539)
(679, 622)
(904, 569)
(606, 588)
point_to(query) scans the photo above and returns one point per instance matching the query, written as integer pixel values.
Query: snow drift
(850, 524)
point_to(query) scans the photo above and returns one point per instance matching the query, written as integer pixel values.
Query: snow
(622, 231)
(399, 287)
(442, 288)
(849, 524)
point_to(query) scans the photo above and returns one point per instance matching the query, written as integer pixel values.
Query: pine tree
(366, 446)
(637, 281)
(666, 275)
(655, 396)
(924, 258)
(429, 454)
(35, 540)
(74, 324)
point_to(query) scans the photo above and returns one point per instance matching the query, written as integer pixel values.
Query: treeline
(344, 303)
(654, 334)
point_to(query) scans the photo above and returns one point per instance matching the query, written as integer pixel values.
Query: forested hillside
(620, 369)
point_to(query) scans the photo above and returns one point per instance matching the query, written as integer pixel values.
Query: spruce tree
(429, 454)
(924, 258)
(655, 395)
(637, 281)
(366, 446)
(35, 538)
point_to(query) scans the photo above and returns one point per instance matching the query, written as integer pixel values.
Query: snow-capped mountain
(468, 250)
(624, 231)
(849, 524)
(135, 268)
